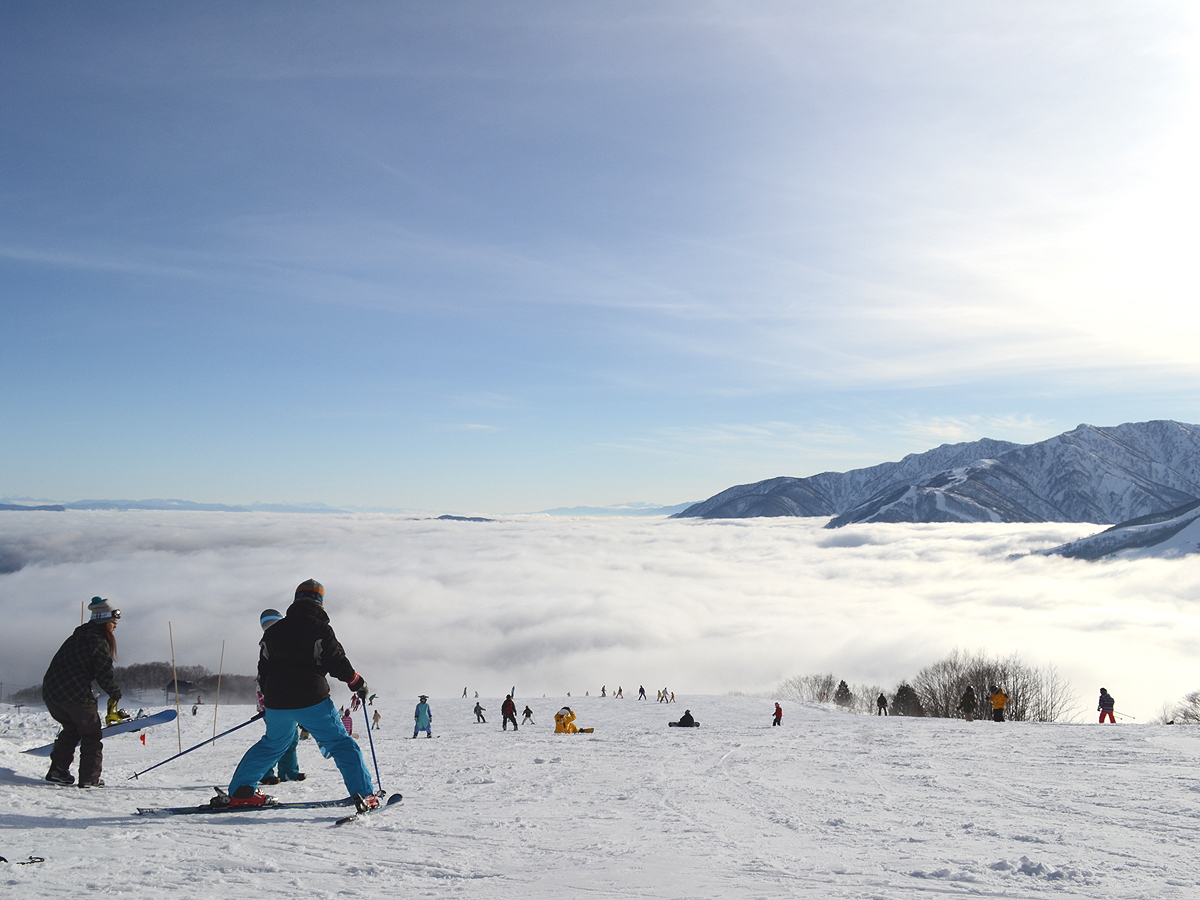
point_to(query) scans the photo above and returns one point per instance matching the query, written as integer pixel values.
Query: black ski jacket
(83, 658)
(295, 655)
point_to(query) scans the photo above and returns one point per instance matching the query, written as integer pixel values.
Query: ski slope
(829, 805)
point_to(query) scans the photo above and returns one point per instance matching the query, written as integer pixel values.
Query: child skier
(479, 713)
(999, 700)
(423, 718)
(527, 716)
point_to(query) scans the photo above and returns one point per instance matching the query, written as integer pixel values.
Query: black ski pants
(510, 717)
(80, 728)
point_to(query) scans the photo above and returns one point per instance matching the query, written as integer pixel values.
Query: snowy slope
(1170, 534)
(1085, 475)
(830, 805)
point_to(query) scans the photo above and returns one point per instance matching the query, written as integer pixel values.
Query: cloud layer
(568, 605)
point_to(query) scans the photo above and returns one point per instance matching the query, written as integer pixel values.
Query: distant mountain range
(1090, 474)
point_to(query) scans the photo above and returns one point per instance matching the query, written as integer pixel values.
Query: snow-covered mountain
(1086, 475)
(1172, 533)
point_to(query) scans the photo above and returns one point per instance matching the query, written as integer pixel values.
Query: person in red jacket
(778, 715)
(508, 709)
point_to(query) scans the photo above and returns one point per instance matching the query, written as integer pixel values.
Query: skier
(479, 713)
(86, 656)
(602, 694)
(295, 655)
(464, 693)
(527, 716)
(641, 692)
(968, 704)
(999, 700)
(289, 767)
(620, 693)
(375, 721)
(672, 697)
(508, 709)
(881, 705)
(778, 715)
(564, 721)
(1105, 707)
(423, 718)
(685, 721)
(348, 722)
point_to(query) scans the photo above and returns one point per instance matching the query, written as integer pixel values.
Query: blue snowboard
(128, 725)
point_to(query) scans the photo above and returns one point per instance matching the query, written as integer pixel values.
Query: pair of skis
(221, 805)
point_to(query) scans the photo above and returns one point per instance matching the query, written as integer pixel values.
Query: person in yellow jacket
(999, 700)
(564, 721)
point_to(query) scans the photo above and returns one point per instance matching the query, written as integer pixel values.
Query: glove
(114, 714)
(359, 685)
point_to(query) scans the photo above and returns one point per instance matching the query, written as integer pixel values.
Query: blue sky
(504, 257)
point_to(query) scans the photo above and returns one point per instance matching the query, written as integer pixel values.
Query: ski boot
(246, 795)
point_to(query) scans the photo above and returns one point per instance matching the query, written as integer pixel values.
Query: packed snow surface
(829, 805)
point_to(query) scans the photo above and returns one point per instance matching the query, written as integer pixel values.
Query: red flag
(143, 740)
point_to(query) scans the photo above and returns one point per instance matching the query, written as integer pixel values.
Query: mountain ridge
(1089, 474)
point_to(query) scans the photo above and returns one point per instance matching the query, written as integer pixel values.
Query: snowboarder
(289, 767)
(881, 705)
(295, 655)
(375, 721)
(527, 716)
(999, 700)
(685, 721)
(778, 719)
(423, 718)
(1105, 707)
(479, 713)
(968, 704)
(508, 709)
(86, 656)
(564, 721)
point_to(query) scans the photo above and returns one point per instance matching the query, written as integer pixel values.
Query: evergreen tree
(842, 696)
(906, 702)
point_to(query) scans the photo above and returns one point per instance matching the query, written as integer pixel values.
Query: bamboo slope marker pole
(217, 705)
(80, 612)
(175, 678)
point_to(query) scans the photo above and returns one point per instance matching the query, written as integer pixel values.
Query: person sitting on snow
(564, 721)
(686, 721)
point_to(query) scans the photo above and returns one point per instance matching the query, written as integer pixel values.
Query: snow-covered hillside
(1170, 534)
(1085, 475)
(830, 805)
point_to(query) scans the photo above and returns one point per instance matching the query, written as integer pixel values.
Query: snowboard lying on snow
(128, 725)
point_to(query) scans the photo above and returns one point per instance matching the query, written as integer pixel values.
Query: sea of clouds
(553, 605)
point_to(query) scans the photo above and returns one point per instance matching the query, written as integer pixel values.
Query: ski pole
(197, 747)
(371, 738)
(1123, 716)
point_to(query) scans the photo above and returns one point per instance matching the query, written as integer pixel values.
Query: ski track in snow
(829, 805)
